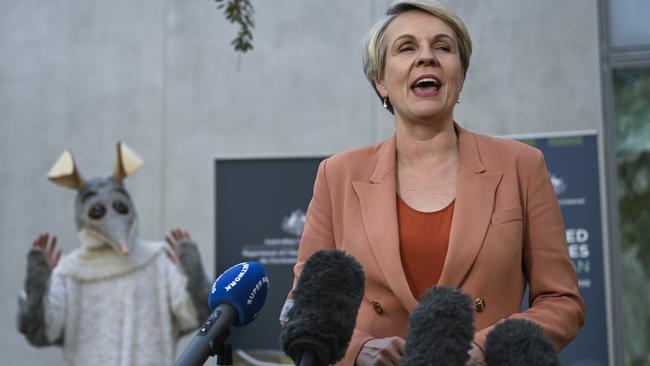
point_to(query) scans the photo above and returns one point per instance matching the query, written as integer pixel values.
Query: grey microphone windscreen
(441, 329)
(519, 342)
(326, 302)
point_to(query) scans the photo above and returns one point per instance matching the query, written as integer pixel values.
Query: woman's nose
(427, 58)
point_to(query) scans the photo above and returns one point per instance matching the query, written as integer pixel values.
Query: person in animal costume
(115, 300)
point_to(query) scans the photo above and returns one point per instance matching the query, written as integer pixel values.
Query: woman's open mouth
(426, 86)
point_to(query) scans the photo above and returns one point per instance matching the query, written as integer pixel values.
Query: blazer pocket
(507, 215)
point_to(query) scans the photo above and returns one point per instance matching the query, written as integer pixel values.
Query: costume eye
(120, 207)
(97, 211)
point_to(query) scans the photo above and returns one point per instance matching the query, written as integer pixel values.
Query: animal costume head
(104, 212)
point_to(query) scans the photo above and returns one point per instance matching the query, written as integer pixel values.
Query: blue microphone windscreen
(243, 286)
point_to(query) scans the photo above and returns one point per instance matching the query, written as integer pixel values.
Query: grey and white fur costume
(116, 300)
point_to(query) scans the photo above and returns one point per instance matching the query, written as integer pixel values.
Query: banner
(572, 161)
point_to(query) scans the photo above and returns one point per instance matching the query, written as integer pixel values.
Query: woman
(437, 204)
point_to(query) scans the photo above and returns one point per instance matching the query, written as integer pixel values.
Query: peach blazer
(507, 231)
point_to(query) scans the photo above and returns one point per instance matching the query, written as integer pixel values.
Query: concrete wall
(162, 76)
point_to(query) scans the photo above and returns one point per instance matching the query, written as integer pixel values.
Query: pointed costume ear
(64, 172)
(127, 162)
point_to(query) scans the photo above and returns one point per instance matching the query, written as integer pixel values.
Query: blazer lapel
(379, 212)
(475, 193)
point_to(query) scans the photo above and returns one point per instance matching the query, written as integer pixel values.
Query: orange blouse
(423, 238)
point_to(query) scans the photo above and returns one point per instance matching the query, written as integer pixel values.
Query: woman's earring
(458, 100)
(385, 102)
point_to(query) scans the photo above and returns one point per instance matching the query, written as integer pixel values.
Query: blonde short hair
(374, 50)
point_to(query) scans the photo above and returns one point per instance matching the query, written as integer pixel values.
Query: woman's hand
(381, 351)
(476, 357)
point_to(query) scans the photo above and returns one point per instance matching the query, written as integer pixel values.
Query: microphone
(519, 342)
(326, 302)
(441, 329)
(236, 297)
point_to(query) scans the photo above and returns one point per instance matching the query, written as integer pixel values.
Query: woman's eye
(97, 211)
(443, 48)
(120, 207)
(406, 48)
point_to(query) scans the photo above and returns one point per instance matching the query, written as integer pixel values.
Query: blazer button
(377, 306)
(479, 304)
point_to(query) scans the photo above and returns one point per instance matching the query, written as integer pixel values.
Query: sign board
(260, 213)
(572, 162)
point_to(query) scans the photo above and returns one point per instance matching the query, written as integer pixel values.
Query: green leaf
(239, 12)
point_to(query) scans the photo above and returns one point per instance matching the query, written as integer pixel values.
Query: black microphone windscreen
(519, 342)
(326, 302)
(441, 329)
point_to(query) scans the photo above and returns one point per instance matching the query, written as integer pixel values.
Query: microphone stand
(308, 358)
(224, 354)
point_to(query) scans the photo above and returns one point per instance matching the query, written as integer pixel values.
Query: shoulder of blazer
(356, 164)
(500, 154)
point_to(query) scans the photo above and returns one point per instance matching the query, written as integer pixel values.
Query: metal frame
(545, 135)
(629, 57)
(612, 256)
(611, 59)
